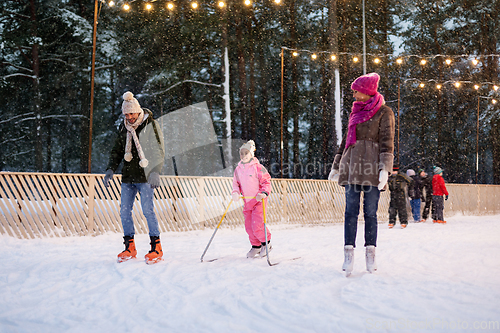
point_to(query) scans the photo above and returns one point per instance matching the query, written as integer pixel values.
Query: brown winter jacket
(373, 151)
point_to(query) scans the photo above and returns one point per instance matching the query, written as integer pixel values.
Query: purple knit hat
(366, 84)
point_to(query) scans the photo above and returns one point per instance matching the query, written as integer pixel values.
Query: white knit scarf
(131, 134)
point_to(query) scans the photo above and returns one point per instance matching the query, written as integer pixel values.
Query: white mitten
(260, 196)
(382, 178)
(235, 197)
(334, 175)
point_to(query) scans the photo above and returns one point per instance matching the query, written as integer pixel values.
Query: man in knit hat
(438, 191)
(142, 163)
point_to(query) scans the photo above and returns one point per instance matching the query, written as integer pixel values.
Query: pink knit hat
(366, 84)
(130, 104)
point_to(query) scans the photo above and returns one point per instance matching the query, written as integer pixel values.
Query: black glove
(107, 177)
(154, 180)
(446, 198)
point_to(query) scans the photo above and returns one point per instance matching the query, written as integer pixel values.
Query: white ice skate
(348, 259)
(254, 251)
(371, 264)
(263, 250)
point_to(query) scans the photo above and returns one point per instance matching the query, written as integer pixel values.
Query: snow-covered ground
(430, 278)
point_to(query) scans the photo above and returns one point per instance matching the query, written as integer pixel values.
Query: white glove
(382, 178)
(334, 175)
(235, 197)
(260, 196)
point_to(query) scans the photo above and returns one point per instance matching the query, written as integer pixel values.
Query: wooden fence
(55, 205)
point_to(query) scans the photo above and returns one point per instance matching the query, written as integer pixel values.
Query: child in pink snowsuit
(251, 179)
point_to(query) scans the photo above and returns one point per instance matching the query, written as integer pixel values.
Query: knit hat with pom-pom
(130, 104)
(366, 84)
(250, 146)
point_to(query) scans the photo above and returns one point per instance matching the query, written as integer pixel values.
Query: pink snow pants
(254, 222)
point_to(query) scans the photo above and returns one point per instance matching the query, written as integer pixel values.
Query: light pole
(281, 127)
(94, 37)
(494, 101)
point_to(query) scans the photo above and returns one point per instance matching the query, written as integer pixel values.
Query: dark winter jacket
(416, 185)
(373, 151)
(426, 187)
(398, 183)
(151, 139)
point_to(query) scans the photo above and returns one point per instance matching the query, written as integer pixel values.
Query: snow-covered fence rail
(54, 205)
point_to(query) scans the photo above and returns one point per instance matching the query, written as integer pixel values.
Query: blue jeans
(129, 191)
(370, 206)
(415, 209)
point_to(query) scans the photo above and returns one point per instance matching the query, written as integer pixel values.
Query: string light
(399, 61)
(448, 61)
(333, 57)
(248, 2)
(494, 101)
(355, 59)
(438, 86)
(170, 6)
(314, 56)
(194, 5)
(222, 4)
(277, 2)
(111, 4)
(376, 60)
(423, 62)
(495, 87)
(295, 54)
(422, 85)
(475, 62)
(149, 6)
(457, 84)
(126, 7)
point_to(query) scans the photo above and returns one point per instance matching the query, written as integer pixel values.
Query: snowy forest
(438, 60)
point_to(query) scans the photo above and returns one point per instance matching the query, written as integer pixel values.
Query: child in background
(251, 179)
(398, 183)
(438, 190)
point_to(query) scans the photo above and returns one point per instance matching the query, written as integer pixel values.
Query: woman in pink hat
(363, 164)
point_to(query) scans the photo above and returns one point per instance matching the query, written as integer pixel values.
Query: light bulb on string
(438, 86)
(421, 85)
(277, 2)
(376, 61)
(149, 6)
(448, 61)
(170, 6)
(222, 4)
(495, 87)
(457, 84)
(126, 6)
(475, 62)
(494, 101)
(476, 86)
(423, 62)
(248, 2)
(333, 57)
(111, 4)
(399, 61)
(194, 5)
(355, 59)
(295, 53)
(314, 56)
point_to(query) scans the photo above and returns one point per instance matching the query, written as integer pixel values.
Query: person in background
(438, 191)
(363, 163)
(139, 175)
(416, 194)
(399, 184)
(251, 179)
(426, 182)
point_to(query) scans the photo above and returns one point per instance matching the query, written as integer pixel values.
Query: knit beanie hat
(395, 167)
(437, 170)
(366, 84)
(130, 104)
(410, 172)
(250, 146)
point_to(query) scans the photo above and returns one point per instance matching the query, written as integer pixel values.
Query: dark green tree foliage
(172, 59)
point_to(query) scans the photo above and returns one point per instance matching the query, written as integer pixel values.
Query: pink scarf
(361, 112)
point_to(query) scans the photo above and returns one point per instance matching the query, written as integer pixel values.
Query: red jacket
(438, 187)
